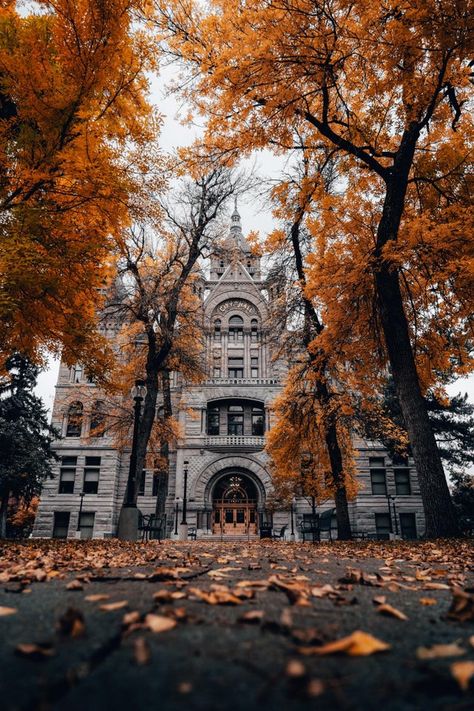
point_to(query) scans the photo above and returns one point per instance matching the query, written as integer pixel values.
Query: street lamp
(183, 528)
(292, 519)
(129, 514)
(176, 512)
(392, 499)
(80, 511)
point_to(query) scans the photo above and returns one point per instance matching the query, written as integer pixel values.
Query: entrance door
(234, 519)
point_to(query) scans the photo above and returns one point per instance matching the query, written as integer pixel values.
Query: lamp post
(176, 512)
(129, 514)
(183, 528)
(292, 519)
(80, 513)
(392, 499)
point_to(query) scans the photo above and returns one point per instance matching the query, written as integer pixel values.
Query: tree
(306, 411)
(25, 436)
(160, 303)
(383, 86)
(452, 420)
(74, 124)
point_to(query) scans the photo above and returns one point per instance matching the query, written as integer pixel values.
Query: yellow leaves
(113, 606)
(358, 644)
(386, 609)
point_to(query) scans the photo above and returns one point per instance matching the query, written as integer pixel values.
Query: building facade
(220, 458)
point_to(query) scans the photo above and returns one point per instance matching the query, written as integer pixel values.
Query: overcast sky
(255, 215)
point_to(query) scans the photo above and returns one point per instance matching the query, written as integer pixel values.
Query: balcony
(242, 381)
(236, 443)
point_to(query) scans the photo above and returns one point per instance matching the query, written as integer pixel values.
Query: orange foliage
(74, 121)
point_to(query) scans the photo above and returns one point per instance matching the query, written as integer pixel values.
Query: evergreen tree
(26, 437)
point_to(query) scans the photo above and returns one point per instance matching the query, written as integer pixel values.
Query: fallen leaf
(185, 687)
(96, 598)
(141, 651)
(111, 606)
(71, 624)
(428, 601)
(358, 644)
(216, 597)
(386, 609)
(159, 623)
(436, 586)
(37, 652)
(131, 618)
(75, 585)
(252, 616)
(462, 606)
(379, 600)
(5, 611)
(295, 669)
(315, 687)
(463, 673)
(437, 651)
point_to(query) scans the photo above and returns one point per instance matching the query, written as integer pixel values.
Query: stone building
(224, 421)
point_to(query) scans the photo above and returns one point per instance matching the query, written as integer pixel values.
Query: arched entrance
(234, 506)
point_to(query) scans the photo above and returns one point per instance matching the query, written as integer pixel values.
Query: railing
(237, 441)
(243, 381)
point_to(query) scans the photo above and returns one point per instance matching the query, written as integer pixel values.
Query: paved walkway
(203, 625)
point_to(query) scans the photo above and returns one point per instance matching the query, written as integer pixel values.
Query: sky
(254, 213)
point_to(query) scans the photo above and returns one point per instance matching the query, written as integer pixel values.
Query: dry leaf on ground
(141, 651)
(96, 598)
(437, 651)
(463, 673)
(358, 644)
(75, 585)
(38, 652)
(71, 624)
(111, 606)
(428, 601)
(6, 611)
(462, 606)
(252, 616)
(159, 623)
(386, 609)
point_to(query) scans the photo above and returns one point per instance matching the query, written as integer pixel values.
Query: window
(91, 475)
(74, 420)
(77, 372)
(235, 420)
(402, 482)
(254, 330)
(86, 524)
(67, 475)
(213, 421)
(141, 483)
(217, 371)
(97, 419)
(221, 263)
(61, 524)
(254, 367)
(236, 367)
(236, 328)
(217, 330)
(382, 526)
(377, 475)
(258, 421)
(408, 525)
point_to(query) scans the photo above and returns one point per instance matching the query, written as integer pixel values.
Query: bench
(309, 526)
(281, 534)
(151, 526)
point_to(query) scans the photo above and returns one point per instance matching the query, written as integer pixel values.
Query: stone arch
(210, 474)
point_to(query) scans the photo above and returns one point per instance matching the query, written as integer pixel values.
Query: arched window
(258, 421)
(236, 328)
(217, 329)
(254, 330)
(97, 427)
(74, 420)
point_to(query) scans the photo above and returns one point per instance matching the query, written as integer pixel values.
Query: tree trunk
(439, 510)
(3, 514)
(312, 325)
(163, 480)
(344, 532)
